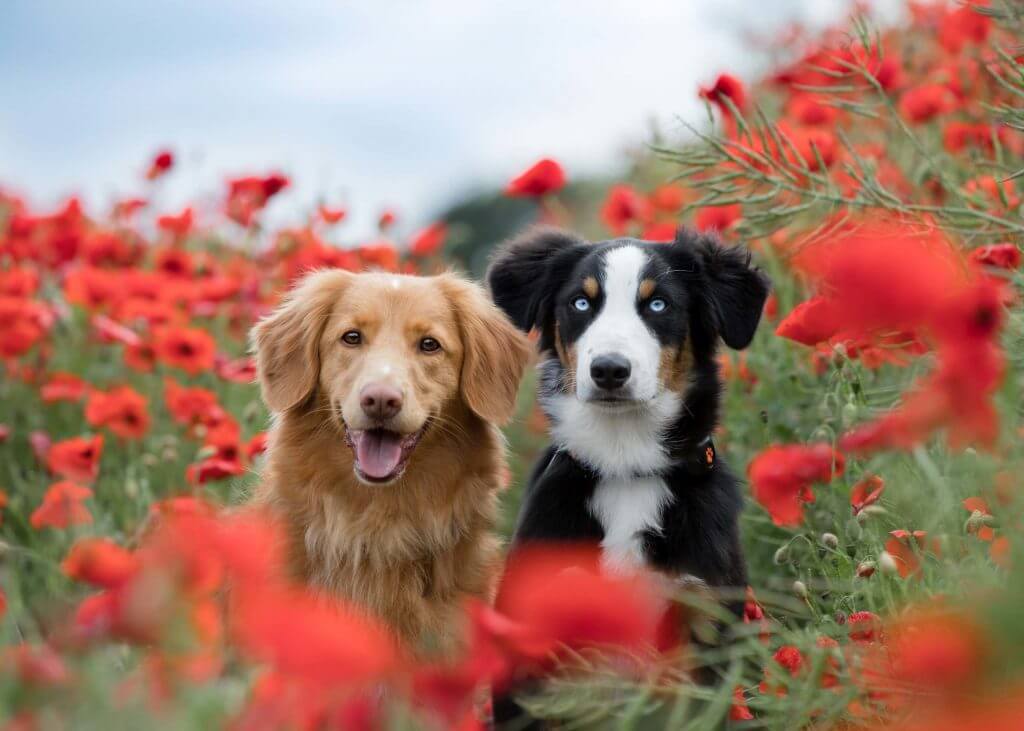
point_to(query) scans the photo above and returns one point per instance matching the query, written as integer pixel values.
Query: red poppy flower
(77, 458)
(173, 262)
(809, 110)
(924, 103)
(937, 650)
(720, 218)
(162, 162)
(126, 208)
(38, 665)
(213, 469)
(866, 492)
(544, 177)
(381, 255)
(725, 87)
(239, 370)
(622, 206)
(179, 226)
(19, 282)
(957, 136)
(100, 562)
(191, 349)
(386, 219)
(811, 322)
(62, 507)
(330, 215)
(23, 323)
(791, 661)
(999, 256)
(312, 637)
(256, 446)
(62, 386)
(429, 241)
(781, 477)
(978, 505)
(192, 406)
(663, 232)
(904, 548)
(739, 711)
(121, 409)
(864, 626)
(561, 595)
(668, 198)
(964, 25)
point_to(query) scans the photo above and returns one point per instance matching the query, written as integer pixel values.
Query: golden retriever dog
(385, 457)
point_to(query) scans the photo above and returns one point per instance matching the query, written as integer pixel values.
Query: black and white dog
(630, 384)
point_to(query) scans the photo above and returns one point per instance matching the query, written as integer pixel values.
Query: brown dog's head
(384, 356)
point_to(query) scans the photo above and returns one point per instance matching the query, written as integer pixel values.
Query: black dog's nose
(610, 371)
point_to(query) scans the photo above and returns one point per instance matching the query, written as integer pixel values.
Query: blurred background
(367, 105)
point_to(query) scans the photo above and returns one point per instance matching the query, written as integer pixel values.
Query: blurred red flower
(905, 548)
(964, 25)
(62, 507)
(998, 256)
(77, 458)
(924, 103)
(331, 215)
(23, 323)
(100, 562)
(179, 226)
(550, 596)
(781, 477)
(161, 164)
(864, 626)
(542, 178)
(725, 87)
(62, 386)
(720, 218)
(790, 660)
(193, 405)
(622, 206)
(314, 638)
(191, 349)
(939, 650)
(429, 241)
(866, 492)
(122, 409)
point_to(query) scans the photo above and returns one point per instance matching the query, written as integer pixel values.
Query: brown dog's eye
(429, 345)
(352, 337)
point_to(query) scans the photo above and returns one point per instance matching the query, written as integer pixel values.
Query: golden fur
(412, 550)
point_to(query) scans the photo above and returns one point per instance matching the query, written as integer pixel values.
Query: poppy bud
(866, 569)
(781, 556)
(800, 589)
(887, 563)
(830, 540)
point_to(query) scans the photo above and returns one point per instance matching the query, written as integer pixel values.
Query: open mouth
(381, 454)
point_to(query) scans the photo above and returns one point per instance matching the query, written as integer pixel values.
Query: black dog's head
(631, 322)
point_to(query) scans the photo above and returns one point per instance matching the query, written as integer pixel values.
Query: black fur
(715, 294)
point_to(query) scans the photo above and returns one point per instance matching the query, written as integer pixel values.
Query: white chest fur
(626, 507)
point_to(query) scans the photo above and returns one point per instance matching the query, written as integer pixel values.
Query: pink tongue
(378, 452)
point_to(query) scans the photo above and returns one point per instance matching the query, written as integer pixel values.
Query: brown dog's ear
(287, 342)
(495, 353)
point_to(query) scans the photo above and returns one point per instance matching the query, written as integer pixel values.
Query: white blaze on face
(618, 329)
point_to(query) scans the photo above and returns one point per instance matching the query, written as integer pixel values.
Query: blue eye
(657, 305)
(582, 304)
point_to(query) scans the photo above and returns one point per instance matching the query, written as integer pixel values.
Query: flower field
(878, 417)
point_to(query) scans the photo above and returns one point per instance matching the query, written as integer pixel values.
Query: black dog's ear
(518, 274)
(735, 290)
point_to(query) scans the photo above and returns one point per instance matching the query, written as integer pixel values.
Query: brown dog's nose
(379, 401)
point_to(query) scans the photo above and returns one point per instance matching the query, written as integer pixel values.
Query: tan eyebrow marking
(646, 288)
(590, 287)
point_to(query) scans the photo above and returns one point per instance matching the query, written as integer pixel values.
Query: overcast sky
(377, 103)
